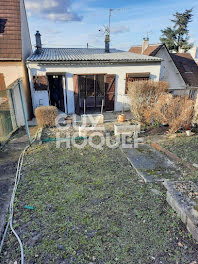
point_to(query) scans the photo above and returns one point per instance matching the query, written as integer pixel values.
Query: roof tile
(10, 40)
(187, 68)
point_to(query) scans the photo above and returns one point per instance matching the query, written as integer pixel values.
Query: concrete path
(9, 156)
(152, 165)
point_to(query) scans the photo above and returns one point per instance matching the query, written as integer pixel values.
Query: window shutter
(2, 82)
(110, 91)
(40, 83)
(126, 84)
(76, 94)
(135, 77)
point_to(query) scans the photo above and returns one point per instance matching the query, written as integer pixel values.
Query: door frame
(63, 75)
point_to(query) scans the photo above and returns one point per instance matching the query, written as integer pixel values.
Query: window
(134, 77)
(100, 85)
(91, 89)
(90, 85)
(40, 83)
(2, 25)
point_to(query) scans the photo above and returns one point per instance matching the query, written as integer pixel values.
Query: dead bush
(143, 95)
(46, 115)
(195, 117)
(177, 112)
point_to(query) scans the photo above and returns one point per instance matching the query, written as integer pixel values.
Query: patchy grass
(91, 207)
(184, 147)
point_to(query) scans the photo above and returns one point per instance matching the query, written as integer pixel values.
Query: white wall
(119, 70)
(17, 104)
(13, 71)
(169, 72)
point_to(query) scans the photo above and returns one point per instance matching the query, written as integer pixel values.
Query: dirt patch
(9, 155)
(156, 131)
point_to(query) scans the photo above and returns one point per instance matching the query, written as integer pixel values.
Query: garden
(90, 206)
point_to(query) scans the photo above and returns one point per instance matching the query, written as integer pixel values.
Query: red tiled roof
(10, 40)
(136, 49)
(150, 51)
(187, 67)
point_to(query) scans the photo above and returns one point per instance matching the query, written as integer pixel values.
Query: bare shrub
(46, 115)
(176, 111)
(195, 117)
(143, 95)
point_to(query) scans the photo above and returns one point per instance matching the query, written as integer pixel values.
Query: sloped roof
(84, 54)
(10, 39)
(136, 49)
(187, 67)
(150, 51)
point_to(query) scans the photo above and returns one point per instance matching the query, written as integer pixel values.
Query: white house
(70, 77)
(194, 53)
(178, 69)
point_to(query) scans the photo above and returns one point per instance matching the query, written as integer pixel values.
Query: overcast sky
(74, 23)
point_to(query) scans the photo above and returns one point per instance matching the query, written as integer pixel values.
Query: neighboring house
(70, 77)
(178, 69)
(15, 47)
(194, 53)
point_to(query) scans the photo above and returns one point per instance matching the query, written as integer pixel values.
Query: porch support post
(65, 93)
(31, 87)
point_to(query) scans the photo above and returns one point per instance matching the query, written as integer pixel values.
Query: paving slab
(152, 165)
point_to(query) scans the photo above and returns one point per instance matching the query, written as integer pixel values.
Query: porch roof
(87, 54)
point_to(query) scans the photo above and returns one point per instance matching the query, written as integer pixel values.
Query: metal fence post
(24, 113)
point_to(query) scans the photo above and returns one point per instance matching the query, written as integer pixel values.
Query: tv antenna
(148, 33)
(110, 14)
(107, 29)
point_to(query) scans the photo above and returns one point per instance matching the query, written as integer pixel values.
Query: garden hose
(11, 206)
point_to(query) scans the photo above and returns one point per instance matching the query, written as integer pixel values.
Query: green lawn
(91, 207)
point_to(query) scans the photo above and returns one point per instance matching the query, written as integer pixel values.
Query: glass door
(91, 90)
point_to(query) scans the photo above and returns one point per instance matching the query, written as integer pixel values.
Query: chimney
(107, 41)
(181, 50)
(145, 44)
(38, 41)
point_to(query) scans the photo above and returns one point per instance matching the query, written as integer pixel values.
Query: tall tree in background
(178, 36)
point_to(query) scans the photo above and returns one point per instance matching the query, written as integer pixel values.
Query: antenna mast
(110, 14)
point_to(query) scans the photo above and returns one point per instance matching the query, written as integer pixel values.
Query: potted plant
(121, 117)
(188, 129)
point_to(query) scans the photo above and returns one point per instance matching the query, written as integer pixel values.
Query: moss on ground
(185, 148)
(91, 207)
